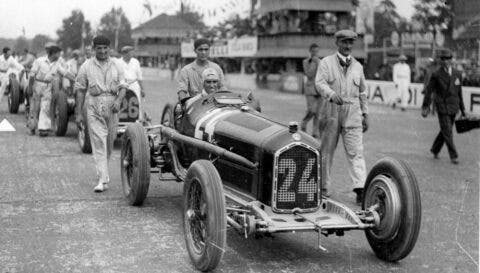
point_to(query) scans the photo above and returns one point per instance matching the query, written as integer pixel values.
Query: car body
(244, 170)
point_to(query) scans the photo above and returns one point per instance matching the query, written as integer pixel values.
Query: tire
(392, 184)
(83, 136)
(204, 215)
(14, 96)
(135, 164)
(60, 114)
(168, 116)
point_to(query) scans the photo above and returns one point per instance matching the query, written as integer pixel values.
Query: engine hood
(253, 129)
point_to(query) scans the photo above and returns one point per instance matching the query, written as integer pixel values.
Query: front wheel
(204, 215)
(60, 113)
(135, 164)
(392, 188)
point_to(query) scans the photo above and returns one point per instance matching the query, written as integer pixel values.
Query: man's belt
(131, 81)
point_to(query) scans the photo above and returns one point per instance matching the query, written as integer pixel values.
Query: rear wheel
(392, 188)
(204, 215)
(83, 134)
(14, 95)
(135, 164)
(60, 114)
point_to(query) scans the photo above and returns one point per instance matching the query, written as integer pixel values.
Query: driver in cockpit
(211, 84)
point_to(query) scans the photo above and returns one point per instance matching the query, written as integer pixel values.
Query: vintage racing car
(243, 170)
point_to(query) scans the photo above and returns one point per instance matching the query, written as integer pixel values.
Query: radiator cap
(293, 127)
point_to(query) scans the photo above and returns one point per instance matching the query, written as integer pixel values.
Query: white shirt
(44, 69)
(132, 70)
(401, 73)
(344, 58)
(6, 64)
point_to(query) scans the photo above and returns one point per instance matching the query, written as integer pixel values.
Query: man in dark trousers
(310, 66)
(446, 84)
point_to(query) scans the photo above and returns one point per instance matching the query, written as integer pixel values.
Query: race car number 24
(289, 172)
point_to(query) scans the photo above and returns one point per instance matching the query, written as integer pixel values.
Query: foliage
(113, 20)
(38, 43)
(21, 43)
(70, 34)
(386, 20)
(433, 13)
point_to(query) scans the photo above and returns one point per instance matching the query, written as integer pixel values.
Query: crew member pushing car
(44, 71)
(190, 81)
(133, 76)
(341, 81)
(103, 81)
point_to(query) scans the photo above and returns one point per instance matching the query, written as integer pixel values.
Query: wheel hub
(383, 194)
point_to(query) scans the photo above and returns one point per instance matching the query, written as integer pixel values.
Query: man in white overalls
(401, 78)
(133, 77)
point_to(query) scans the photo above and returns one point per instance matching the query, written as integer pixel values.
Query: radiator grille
(296, 179)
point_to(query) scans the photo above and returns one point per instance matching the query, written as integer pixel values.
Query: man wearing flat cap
(133, 76)
(190, 81)
(46, 71)
(446, 84)
(401, 78)
(101, 85)
(341, 82)
(72, 67)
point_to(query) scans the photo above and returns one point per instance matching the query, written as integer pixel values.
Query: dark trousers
(445, 136)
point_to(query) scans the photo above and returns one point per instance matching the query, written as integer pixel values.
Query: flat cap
(402, 57)
(51, 45)
(345, 34)
(444, 53)
(210, 74)
(101, 40)
(76, 52)
(126, 49)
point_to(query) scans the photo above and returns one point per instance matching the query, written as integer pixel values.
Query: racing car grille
(296, 179)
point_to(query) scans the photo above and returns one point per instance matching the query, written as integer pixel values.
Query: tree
(74, 30)
(434, 15)
(20, 44)
(193, 18)
(386, 20)
(38, 43)
(115, 24)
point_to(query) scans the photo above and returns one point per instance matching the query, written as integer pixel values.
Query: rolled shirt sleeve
(363, 94)
(321, 80)
(81, 81)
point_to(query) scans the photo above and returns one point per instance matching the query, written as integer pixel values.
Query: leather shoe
(435, 155)
(455, 161)
(359, 198)
(100, 187)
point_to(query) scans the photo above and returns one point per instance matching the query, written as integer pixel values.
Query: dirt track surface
(52, 221)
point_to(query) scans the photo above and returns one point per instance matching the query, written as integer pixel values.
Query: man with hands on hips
(341, 81)
(100, 85)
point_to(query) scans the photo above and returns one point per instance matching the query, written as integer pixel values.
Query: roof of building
(307, 5)
(163, 25)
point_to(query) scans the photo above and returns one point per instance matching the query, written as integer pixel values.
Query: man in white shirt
(401, 78)
(45, 70)
(72, 66)
(133, 76)
(8, 64)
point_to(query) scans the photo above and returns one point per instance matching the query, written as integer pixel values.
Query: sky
(45, 16)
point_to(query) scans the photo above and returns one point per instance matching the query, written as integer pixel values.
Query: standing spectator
(103, 82)
(446, 84)
(190, 82)
(7, 63)
(401, 78)
(312, 95)
(172, 65)
(341, 81)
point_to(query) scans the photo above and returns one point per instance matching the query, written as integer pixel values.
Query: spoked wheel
(392, 190)
(14, 95)
(204, 215)
(135, 164)
(83, 136)
(168, 116)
